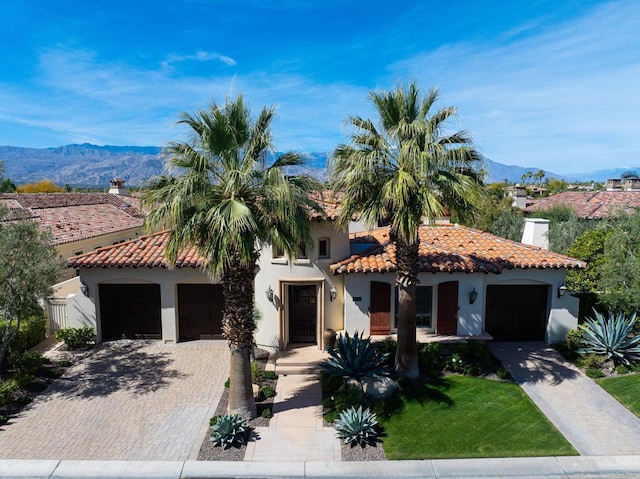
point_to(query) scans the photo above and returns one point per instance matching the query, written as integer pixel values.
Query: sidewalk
(574, 467)
(588, 417)
(296, 431)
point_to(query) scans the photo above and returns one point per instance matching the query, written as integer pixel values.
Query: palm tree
(227, 203)
(404, 173)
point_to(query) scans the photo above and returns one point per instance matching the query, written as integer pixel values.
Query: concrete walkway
(296, 431)
(588, 417)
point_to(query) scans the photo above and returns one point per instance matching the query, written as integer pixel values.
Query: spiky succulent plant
(611, 336)
(355, 357)
(357, 426)
(230, 430)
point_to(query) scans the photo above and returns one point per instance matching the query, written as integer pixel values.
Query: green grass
(459, 417)
(625, 389)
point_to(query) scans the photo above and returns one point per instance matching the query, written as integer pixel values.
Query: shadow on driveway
(533, 362)
(124, 365)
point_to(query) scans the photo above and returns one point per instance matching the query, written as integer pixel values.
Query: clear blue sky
(548, 83)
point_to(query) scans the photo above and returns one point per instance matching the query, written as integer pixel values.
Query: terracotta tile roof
(143, 252)
(76, 216)
(329, 202)
(590, 204)
(450, 249)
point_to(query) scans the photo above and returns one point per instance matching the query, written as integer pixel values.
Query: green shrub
(269, 375)
(357, 426)
(503, 374)
(7, 390)
(454, 363)
(256, 373)
(32, 332)
(268, 391)
(430, 358)
(355, 357)
(227, 383)
(574, 339)
(388, 347)
(611, 336)
(620, 369)
(587, 361)
(28, 363)
(213, 421)
(267, 413)
(230, 430)
(76, 338)
(594, 373)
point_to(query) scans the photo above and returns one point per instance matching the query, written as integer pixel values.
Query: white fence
(57, 314)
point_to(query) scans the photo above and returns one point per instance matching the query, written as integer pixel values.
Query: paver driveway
(129, 400)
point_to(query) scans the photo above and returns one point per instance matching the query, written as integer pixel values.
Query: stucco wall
(278, 273)
(84, 310)
(562, 315)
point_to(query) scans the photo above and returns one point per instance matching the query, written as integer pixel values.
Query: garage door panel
(200, 310)
(516, 312)
(130, 310)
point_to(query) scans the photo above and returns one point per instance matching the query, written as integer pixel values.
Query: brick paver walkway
(591, 420)
(128, 400)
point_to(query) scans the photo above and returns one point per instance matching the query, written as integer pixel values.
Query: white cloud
(563, 99)
(200, 56)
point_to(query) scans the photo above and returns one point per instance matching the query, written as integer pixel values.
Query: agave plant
(356, 426)
(230, 430)
(611, 337)
(355, 357)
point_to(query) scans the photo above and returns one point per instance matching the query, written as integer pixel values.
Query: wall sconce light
(473, 295)
(84, 289)
(270, 294)
(562, 290)
(333, 292)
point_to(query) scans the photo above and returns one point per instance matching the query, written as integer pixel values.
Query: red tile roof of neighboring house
(590, 204)
(450, 249)
(76, 216)
(329, 202)
(143, 252)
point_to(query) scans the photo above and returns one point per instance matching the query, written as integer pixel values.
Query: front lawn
(625, 389)
(460, 417)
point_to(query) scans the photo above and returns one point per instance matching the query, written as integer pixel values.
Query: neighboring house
(80, 222)
(472, 284)
(591, 205)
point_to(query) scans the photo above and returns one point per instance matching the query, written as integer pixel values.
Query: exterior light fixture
(269, 294)
(333, 292)
(84, 289)
(473, 295)
(562, 290)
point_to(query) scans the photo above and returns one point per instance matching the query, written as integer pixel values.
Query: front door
(303, 314)
(447, 308)
(380, 308)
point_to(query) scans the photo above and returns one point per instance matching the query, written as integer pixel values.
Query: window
(303, 252)
(323, 248)
(277, 252)
(424, 306)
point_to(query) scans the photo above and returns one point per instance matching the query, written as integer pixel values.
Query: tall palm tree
(404, 172)
(227, 203)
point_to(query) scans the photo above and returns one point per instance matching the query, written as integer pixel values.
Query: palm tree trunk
(238, 327)
(407, 277)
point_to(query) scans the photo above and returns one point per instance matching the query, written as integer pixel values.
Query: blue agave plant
(230, 430)
(355, 357)
(356, 426)
(611, 337)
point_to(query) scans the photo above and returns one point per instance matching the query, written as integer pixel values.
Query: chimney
(536, 232)
(116, 187)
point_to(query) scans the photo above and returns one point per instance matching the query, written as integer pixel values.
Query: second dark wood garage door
(200, 309)
(516, 312)
(130, 311)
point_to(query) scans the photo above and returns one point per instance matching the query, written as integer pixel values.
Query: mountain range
(89, 165)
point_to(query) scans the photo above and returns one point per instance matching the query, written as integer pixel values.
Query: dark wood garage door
(516, 313)
(200, 308)
(130, 311)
